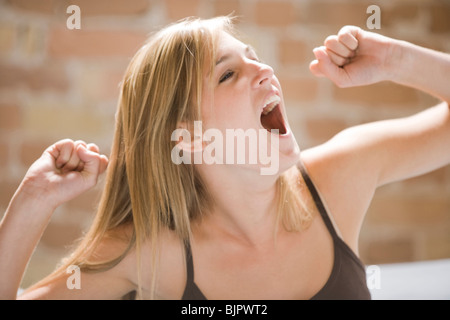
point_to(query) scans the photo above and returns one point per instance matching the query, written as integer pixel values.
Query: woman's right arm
(64, 171)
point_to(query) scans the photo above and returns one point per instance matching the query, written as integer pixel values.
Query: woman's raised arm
(350, 166)
(65, 170)
(355, 57)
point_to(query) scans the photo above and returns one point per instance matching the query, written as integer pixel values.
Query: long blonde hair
(162, 86)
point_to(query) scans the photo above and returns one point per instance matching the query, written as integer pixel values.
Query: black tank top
(347, 279)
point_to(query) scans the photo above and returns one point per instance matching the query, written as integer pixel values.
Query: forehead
(225, 46)
(226, 42)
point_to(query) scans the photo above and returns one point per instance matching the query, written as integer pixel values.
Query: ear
(189, 137)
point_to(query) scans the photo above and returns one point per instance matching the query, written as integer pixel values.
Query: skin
(346, 170)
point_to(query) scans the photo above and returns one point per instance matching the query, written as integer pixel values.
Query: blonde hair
(161, 87)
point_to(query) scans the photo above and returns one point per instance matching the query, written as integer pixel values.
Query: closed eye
(226, 76)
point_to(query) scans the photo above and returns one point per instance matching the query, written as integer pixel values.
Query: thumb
(92, 161)
(316, 65)
(315, 69)
(323, 66)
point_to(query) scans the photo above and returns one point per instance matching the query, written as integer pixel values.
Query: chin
(284, 155)
(289, 157)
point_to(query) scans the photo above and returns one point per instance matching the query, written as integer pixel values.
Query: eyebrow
(248, 49)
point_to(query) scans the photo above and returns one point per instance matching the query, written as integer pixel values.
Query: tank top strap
(189, 263)
(317, 200)
(191, 291)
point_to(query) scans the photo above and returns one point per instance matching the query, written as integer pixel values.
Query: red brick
(437, 244)
(323, 129)
(275, 13)
(409, 211)
(378, 94)
(112, 7)
(87, 7)
(31, 150)
(104, 44)
(399, 13)
(293, 52)
(8, 36)
(41, 6)
(437, 179)
(87, 202)
(7, 189)
(440, 17)
(178, 9)
(59, 235)
(297, 88)
(398, 249)
(336, 15)
(226, 7)
(10, 117)
(110, 87)
(4, 153)
(101, 83)
(56, 118)
(49, 76)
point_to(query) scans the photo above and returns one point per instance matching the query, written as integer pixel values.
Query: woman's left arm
(348, 169)
(355, 57)
(421, 68)
(400, 148)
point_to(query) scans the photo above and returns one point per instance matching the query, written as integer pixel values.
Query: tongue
(274, 120)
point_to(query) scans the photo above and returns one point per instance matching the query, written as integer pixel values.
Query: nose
(263, 74)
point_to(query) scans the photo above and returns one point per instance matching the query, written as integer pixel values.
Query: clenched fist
(65, 170)
(354, 57)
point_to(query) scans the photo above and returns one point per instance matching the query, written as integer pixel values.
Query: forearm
(53, 179)
(421, 68)
(20, 231)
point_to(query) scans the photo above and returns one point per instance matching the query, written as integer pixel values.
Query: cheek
(220, 110)
(228, 108)
(234, 114)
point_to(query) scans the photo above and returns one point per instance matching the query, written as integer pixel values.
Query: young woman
(225, 231)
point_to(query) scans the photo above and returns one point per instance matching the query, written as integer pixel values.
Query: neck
(245, 203)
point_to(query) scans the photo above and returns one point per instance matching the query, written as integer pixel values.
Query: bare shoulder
(170, 272)
(168, 268)
(116, 281)
(111, 281)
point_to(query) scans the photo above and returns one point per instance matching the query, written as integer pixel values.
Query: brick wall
(57, 83)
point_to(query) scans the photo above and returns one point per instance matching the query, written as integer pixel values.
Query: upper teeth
(271, 103)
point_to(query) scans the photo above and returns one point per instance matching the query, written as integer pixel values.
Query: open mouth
(272, 117)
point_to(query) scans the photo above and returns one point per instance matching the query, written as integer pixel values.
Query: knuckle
(343, 36)
(79, 142)
(67, 143)
(93, 147)
(330, 39)
(348, 28)
(64, 141)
